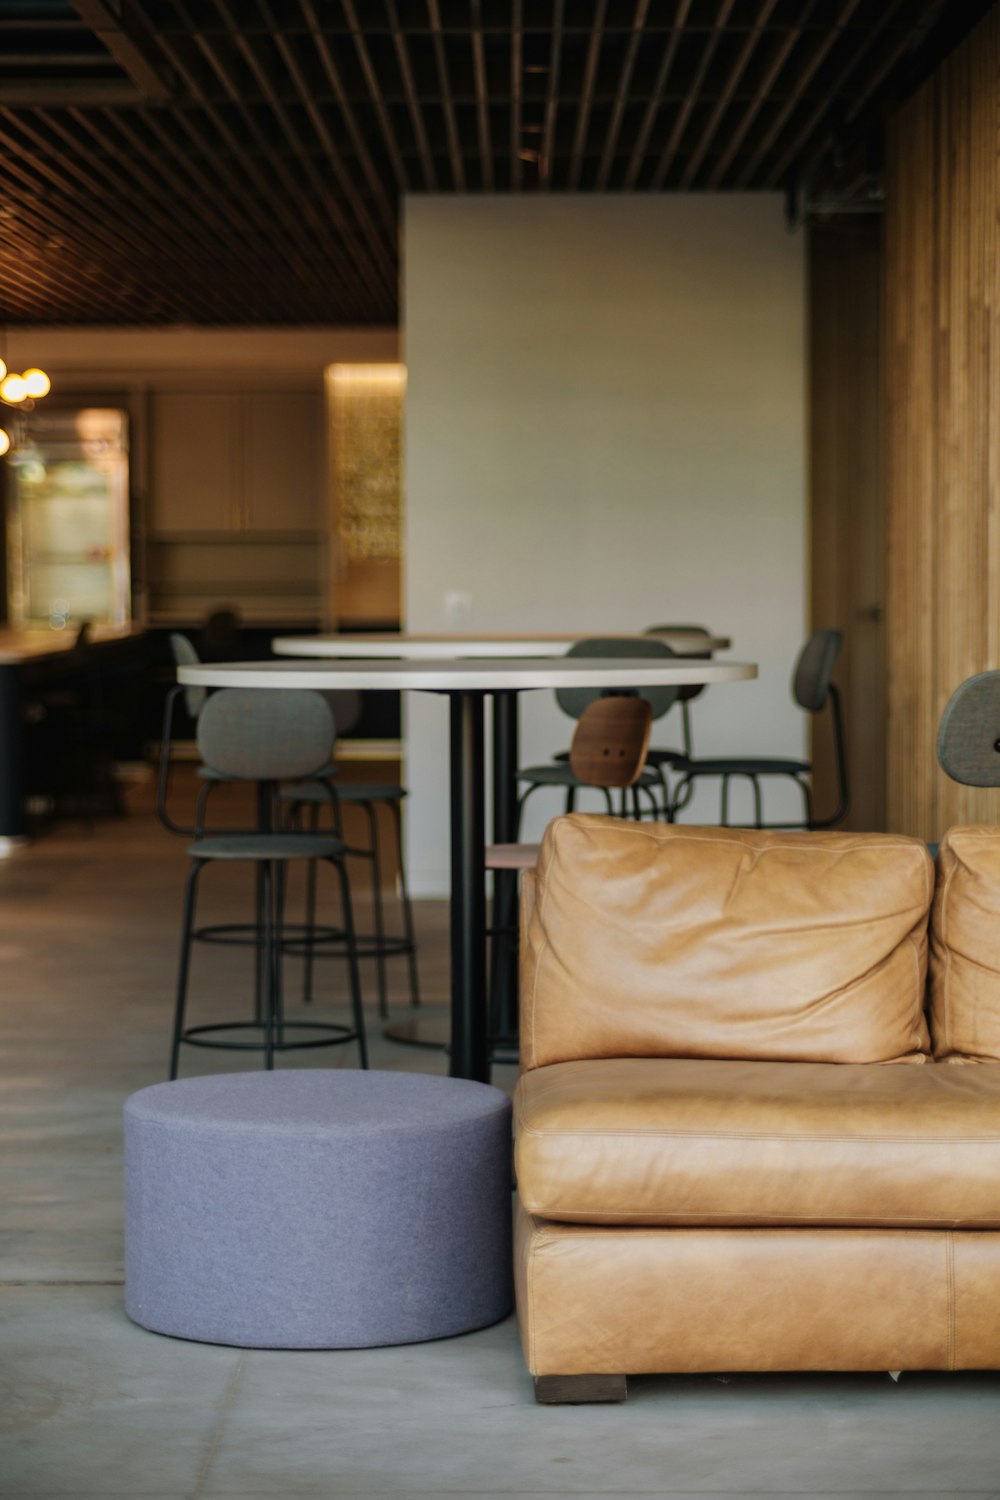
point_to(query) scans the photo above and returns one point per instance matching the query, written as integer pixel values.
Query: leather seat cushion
(686, 1142)
(965, 953)
(651, 940)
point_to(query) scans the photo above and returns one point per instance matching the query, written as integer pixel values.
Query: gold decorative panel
(366, 410)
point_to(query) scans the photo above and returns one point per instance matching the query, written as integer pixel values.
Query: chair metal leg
(199, 810)
(190, 897)
(307, 974)
(378, 912)
(725, 802)
(758, 808)
(357, 1008)
(269, 993)
(409, 932)
(278, 949)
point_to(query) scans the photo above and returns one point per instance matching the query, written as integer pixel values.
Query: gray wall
(604, 429)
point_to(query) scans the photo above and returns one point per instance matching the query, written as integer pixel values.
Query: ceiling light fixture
(20, 392)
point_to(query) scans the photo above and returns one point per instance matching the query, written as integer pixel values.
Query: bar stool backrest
(610, 742)
(262, 735)
(185, 655)
(968, 740)
(345, 704)
(573, 701)
(814, 669)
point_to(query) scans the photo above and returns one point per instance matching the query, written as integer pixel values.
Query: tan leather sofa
(743, 1140)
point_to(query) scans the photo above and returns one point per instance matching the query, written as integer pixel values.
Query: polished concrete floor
(91, 1405)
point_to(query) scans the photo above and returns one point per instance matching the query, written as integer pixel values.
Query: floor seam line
(213, 1447)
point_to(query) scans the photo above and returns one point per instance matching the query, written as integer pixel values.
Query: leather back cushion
(965, 947)
(644, 940)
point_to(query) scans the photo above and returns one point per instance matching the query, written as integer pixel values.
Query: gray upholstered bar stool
(266, 738)
(316, 1209)
(307, 801)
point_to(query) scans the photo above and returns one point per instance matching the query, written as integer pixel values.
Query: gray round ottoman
(313, 1209)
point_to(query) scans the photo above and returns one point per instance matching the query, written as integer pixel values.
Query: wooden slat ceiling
(243, 161)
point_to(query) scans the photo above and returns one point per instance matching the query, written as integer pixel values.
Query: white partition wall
(604, 430)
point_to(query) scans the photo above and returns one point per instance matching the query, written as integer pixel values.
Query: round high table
(467, 684)
(426, 1030)
(442, 647)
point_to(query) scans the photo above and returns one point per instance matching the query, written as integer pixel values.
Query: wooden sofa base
(580, 1390)
(618, 1300)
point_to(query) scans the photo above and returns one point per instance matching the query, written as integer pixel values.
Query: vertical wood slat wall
(847, 505)
(942, 295)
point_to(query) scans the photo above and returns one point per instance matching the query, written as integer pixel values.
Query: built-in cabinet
(237, 503)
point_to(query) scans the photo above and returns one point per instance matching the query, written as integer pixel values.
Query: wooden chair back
(610, 743)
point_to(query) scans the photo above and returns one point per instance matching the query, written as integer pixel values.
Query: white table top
(489, 676)
(445, 647)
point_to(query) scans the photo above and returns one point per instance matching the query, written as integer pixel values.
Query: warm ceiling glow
(4, 442)
(367, 374)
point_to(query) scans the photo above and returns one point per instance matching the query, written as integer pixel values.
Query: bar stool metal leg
(190, 898)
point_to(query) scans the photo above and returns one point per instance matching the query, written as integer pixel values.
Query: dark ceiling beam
(725, 99)
(26, 280)
(42, 93)
(350, 232)
(250, 188)
(548, 144)
(655, 101)
(297, 211)
(803, 79)
(762, 94)
(123, 31)
(82, 218)
(412, 101)
(25, 252)
(621, 95)
(516, 94)
(386, 205)
(369, 232)
(378, 102)
(586, 96)
(695, 83)
(811, 153)
(192, 216)
(482, 97)
(451, 129)
(167, 253)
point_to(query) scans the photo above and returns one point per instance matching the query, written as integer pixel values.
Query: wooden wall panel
(943, 383)
(847, 502)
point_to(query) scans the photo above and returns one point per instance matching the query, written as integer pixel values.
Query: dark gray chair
(266, 738)
(968, 738)
(573, 701)
(697, 646)
(812, 688)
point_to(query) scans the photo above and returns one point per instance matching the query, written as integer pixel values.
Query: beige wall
(604, 430)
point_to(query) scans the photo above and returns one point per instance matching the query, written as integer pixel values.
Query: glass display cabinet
(68, 521)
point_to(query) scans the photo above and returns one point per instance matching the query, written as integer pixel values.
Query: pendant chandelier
(20, 392)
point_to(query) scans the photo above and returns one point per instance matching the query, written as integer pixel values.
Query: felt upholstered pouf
(314, 1209)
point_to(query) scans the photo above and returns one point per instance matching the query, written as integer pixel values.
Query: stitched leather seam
(886, 841)
(735, 1219)
(946, 1007)
(765, 1135)
(950, 1254)
(765, 1221)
